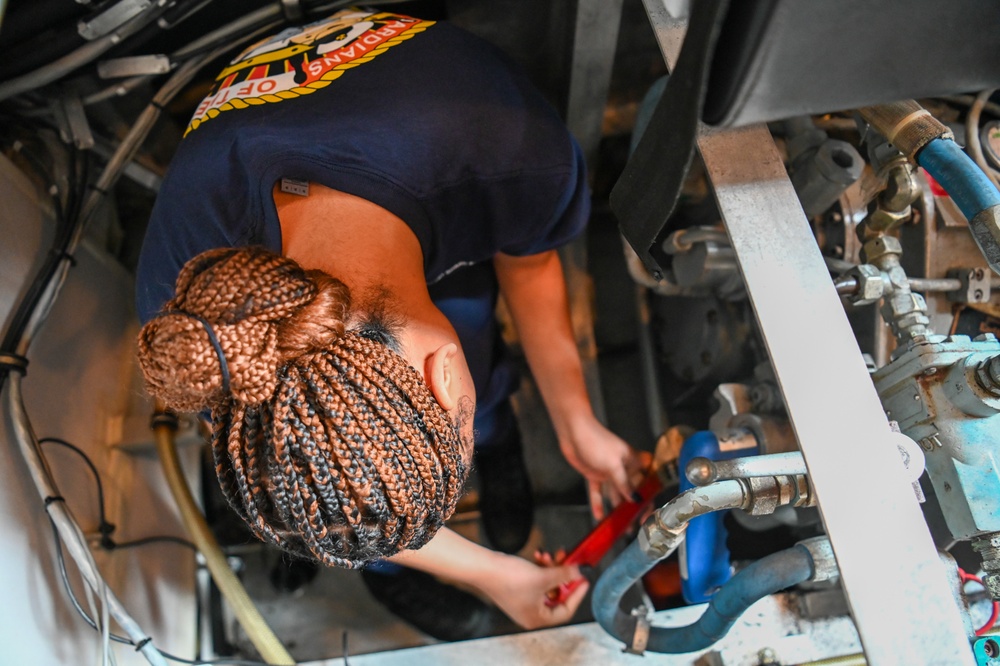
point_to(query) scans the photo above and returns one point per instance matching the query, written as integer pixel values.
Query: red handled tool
(593, 548)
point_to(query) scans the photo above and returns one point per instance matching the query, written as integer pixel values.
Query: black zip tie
(156, 105)
(168, 419)
(143, 643)
(63, 254)
(15, 362)
(100, 190)
(53, 498)
(223, 366)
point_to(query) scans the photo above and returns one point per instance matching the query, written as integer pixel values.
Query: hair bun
(263, 309)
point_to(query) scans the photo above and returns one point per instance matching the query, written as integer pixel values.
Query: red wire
(967, 577)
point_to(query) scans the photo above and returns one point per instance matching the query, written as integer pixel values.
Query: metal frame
(595, 38)
(900, 598)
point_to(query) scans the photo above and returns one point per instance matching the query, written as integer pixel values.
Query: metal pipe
(683, 240)
(934, 284)
(849, 285)
(846, 286)
(80, 57)
(702, 471)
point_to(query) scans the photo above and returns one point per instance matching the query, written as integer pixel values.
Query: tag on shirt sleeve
(292, 186)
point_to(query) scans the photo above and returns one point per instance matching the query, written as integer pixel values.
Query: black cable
(104, 527)
(29, 302)
(93, 469)
(64, 576)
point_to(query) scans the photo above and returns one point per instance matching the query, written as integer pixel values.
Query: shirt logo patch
(299, 61)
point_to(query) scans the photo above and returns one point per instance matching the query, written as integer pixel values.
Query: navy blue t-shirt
(418, 117)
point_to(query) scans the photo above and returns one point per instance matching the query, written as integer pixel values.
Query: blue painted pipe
(963, 180)
(704, 555)
(764, 577)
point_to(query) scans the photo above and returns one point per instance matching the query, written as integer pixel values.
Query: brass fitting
(880, 246)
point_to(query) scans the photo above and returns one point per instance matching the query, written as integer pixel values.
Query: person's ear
(442, 376)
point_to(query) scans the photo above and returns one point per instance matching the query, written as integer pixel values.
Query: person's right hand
(518, 588)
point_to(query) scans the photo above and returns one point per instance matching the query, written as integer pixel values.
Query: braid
(327, 444)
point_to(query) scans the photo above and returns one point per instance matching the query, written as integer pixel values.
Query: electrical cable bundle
(31, 314)
(73, 212)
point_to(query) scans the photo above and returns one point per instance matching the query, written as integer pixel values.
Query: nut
(880, 246)
(871, 285)
(881, 220)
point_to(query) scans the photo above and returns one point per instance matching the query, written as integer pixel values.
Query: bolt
(700, 471)
(977, 295)
(988, 375)
(767, 657)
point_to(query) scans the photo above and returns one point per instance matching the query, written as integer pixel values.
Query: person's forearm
(517, 587)
(535, 292)
(453, 557)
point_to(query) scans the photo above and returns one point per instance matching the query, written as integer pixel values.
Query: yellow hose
(847, 660)
(267, 644)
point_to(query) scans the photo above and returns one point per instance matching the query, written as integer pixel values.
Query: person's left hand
(604, 459)
(518, 588)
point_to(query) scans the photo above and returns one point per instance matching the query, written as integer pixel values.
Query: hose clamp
(640, 635)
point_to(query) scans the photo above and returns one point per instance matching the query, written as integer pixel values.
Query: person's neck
(360, 243)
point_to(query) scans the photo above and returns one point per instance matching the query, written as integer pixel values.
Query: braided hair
(328, 444)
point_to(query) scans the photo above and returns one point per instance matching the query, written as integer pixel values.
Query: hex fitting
(658, 540)
(987, 376)
(880, 246)
(767, 493)
(871, 286)
(901, 188)
(988, 547)
(906, 314)
(824, 562)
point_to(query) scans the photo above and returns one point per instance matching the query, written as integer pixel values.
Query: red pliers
(592, 549)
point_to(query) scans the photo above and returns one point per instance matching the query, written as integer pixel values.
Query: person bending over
(321, 270)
